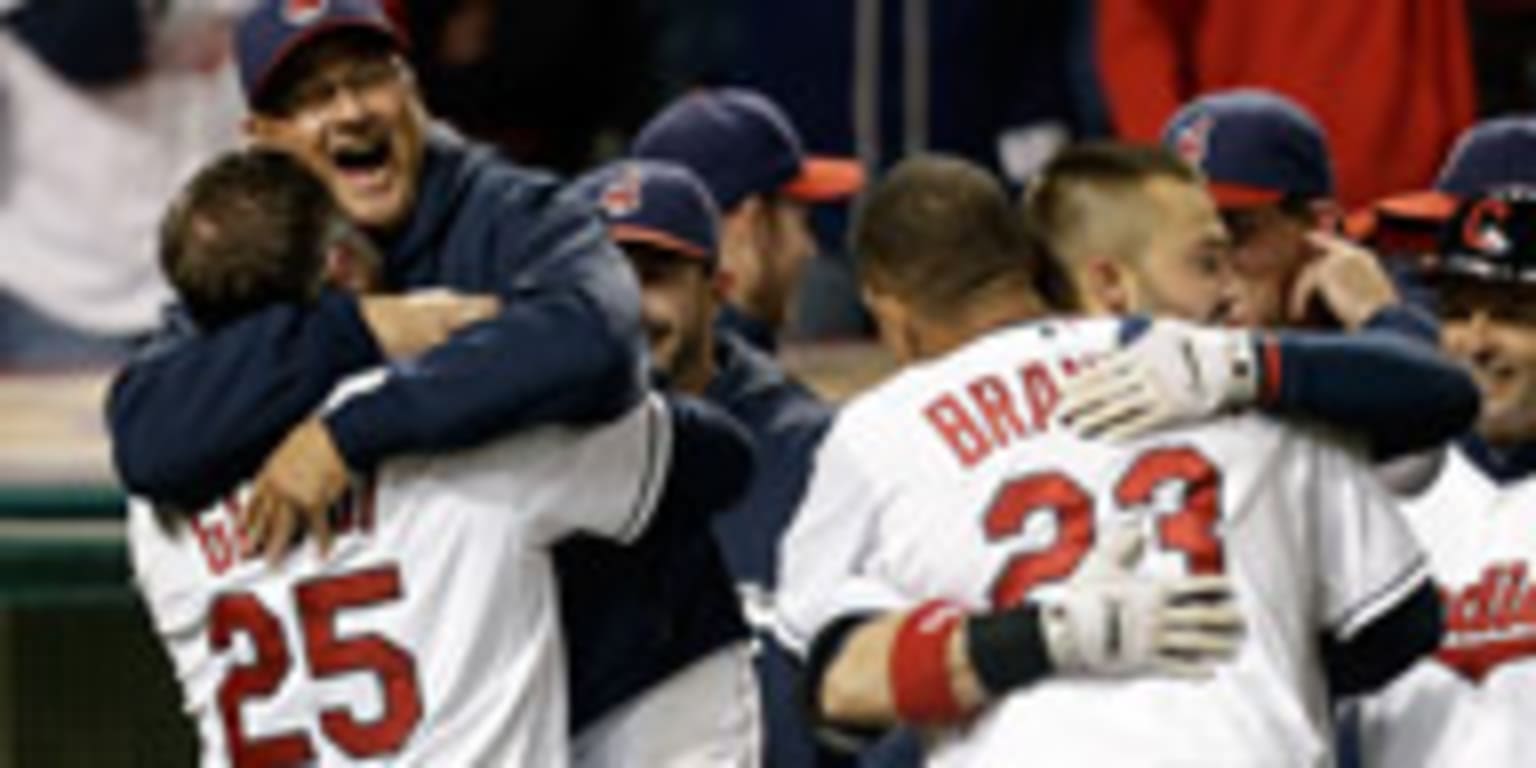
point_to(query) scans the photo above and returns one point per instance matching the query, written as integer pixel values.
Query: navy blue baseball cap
(274, 30)
(741, 143)
(1254, 147)
(1494, 157)
(657, 203)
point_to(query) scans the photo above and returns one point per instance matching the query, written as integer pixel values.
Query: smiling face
(677, 306)
(1491, 329)
(348, 108)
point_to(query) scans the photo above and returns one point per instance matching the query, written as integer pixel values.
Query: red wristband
(919, 668)
(1269, 366)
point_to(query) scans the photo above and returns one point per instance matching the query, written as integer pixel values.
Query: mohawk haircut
(1085, 197)
(250, 230)
(939, 231)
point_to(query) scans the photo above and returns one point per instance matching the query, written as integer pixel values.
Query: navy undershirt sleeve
(1387, 385)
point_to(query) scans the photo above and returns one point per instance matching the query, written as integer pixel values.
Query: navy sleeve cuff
(354, 428)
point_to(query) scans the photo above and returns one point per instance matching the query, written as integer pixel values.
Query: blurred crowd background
(107, 105)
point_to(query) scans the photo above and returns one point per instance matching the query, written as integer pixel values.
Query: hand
(1347, 279)
(1175, 373)
(406, 326)
(294, 493)
(1111, 622)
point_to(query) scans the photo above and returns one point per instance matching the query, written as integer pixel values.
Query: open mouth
(362, 161)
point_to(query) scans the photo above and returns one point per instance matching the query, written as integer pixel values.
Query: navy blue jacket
(200, 413)
(786, 422)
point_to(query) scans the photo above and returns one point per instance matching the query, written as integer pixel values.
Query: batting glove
(1176, 373)
(1111, 622)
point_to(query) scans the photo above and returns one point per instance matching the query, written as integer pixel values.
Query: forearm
(879, 676)
(198, 415)
(1399, 394)
(712, 464)
(557, 358)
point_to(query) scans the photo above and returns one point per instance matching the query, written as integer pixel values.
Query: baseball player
(748, 153)
(1471, 704)
(430, 634)
(1096, 208)
(1268, 167)
(209, 409)
(957, 546)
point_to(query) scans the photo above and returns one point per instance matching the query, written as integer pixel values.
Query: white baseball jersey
(430, 635)
(1473, 703)
(952, 481)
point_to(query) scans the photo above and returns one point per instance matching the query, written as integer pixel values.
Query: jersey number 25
(1189, 530)
(318, 601)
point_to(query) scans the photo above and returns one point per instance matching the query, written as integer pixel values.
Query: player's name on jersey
(989, 412)
(222, 539)
(1490, 622)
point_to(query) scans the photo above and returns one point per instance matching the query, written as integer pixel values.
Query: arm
(198, 413)
(1379, 607)
(1398, 393)
(1402, 396)
(712, 463)
(938, 664)
(566, 348)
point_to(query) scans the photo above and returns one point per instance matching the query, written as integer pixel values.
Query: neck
(694, 376)
(938, 337)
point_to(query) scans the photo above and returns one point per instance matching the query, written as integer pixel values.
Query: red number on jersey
(1192, 529)
(1014, 505)
(244, 613)
(1189, 530)
(319, 601)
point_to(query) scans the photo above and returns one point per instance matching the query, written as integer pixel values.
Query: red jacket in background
(1391, 80)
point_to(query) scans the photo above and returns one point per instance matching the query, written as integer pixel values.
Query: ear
(262, 131)
(721, 283)
(251, 127)
(1107, 287)
(892, 321)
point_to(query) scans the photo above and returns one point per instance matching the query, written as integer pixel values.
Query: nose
(346, 105)
(1475, 338)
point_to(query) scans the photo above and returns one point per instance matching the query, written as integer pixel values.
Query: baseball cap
(274, 30)
(1494, 156)
(1254, 147)
(741, 143)
(656, 203)
(1488, 237)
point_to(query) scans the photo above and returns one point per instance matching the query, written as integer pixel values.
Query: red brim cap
(1242, 195)
(630, 233)
(826, 179)
(1421, 205)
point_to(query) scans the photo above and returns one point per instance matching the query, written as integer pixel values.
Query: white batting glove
(1111, 622)
(1176, 373)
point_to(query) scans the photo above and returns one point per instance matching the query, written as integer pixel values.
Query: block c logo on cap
(622, 195)
(301, 12)
(1192, 140)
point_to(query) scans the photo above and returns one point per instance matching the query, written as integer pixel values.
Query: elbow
(133, 456)
(841, 701)
(614, 372)
(1388, 647)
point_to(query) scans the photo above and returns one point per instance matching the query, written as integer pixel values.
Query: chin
(376, 214)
